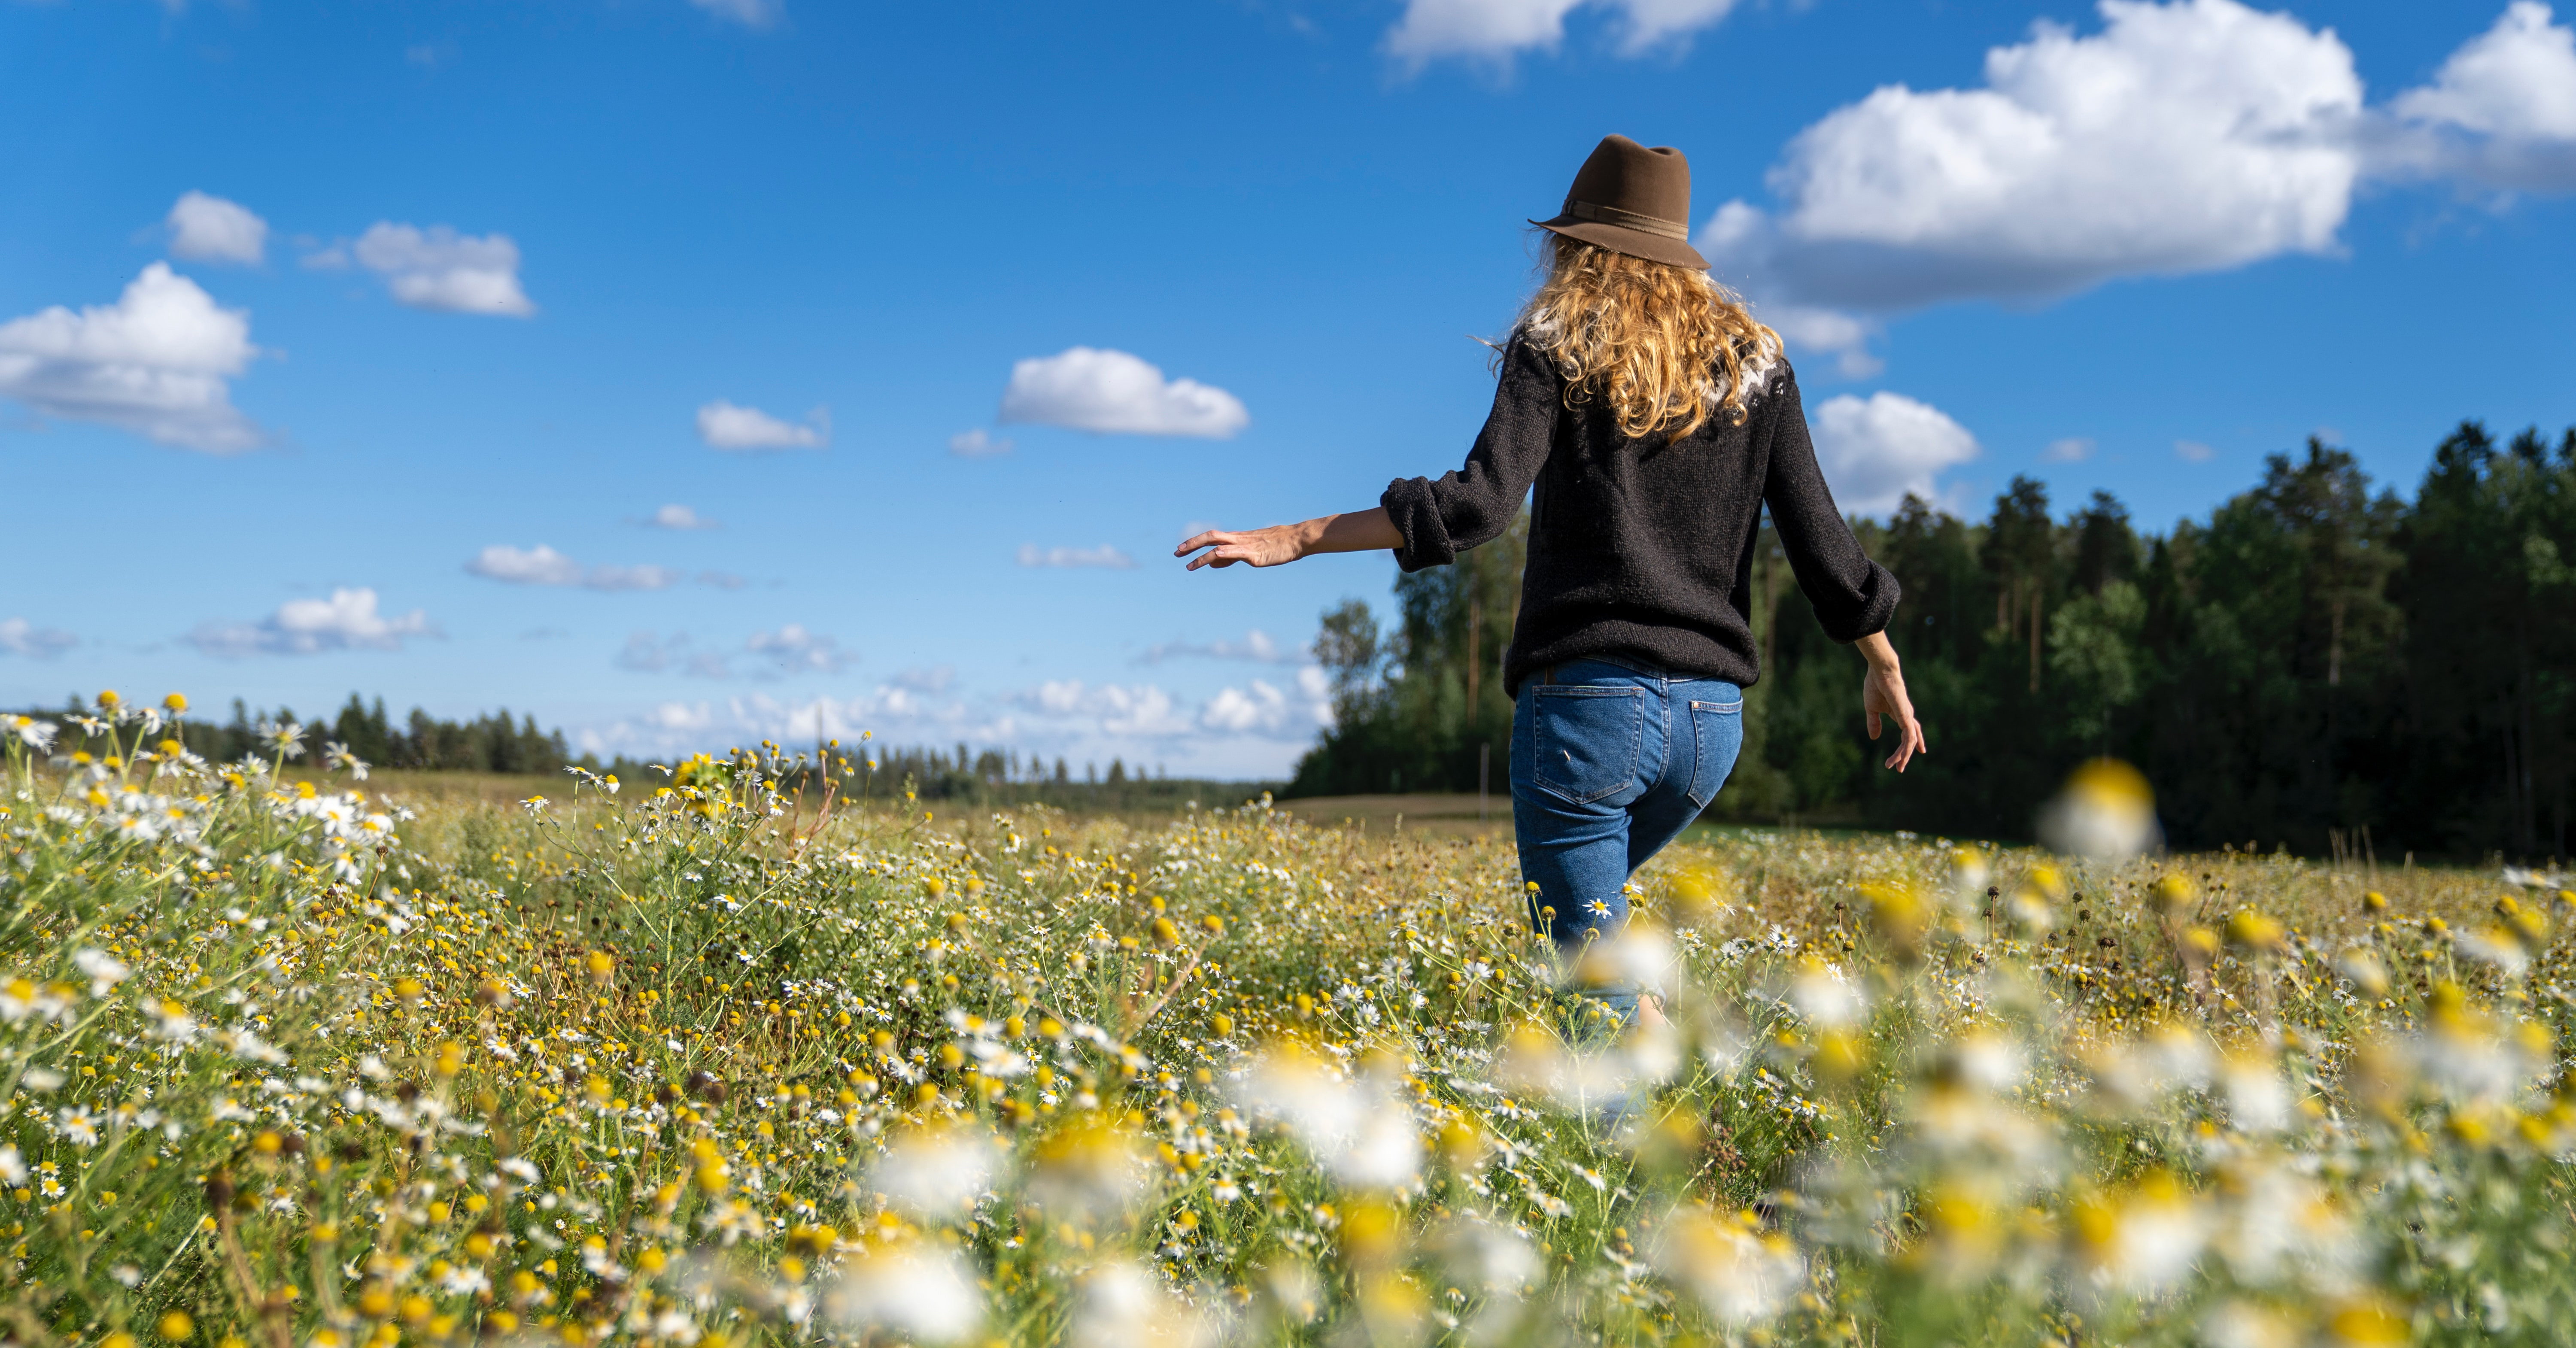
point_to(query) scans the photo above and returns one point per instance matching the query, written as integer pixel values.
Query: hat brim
(1633, 242)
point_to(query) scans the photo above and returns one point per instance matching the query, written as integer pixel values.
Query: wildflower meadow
(721, 1057)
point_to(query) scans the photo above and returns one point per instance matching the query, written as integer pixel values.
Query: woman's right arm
(1426, 521)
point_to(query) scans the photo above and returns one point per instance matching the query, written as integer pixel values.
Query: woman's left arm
(1369, 530)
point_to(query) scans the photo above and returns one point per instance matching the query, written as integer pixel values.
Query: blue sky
(356, 347)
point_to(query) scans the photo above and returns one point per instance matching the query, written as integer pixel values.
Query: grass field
(697, 1062)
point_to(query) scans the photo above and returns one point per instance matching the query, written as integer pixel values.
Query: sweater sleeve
(1853, 596)
(1472, 505)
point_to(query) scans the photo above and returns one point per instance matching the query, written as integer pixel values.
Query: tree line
(498, 743)
(494, 742)
(2318, 663)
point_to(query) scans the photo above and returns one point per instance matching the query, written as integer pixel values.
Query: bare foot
(1650, 1013)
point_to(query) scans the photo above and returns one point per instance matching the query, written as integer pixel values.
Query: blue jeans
(1608, 765)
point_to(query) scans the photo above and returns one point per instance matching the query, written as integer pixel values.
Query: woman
(1655, 418)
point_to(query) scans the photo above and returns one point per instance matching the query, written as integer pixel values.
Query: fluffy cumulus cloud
(1103, 556)
(1264, 710)
(2182, 137)
(21, 637)
(2502, 110)
(542, 565)
(347, 621)
(678, 517)
(438, 268)
(158, 362)
(1496, 30)
(1144, 711)
(1878, 450)
(723, 425)
(210, 229)
(1090, 389)
(1121, 711)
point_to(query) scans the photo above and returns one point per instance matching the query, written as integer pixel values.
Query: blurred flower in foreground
(1090, 1173)
(1124, 1306)
(925, 1296)
(937, 1175)
(1742, 1275)
(2143, 1239)
(1826, 996)
(1359, 1127)
(2106, 812)
(1639, 957)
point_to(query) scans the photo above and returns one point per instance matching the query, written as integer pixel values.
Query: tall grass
(689, 1061)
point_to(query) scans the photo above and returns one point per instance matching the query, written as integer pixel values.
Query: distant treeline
(497, 743)
(491, 743)
(2315, 659)
(1004, 777)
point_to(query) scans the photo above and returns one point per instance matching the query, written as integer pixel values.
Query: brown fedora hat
(1634, 200)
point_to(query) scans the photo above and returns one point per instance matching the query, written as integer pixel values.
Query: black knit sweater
(1641, 551)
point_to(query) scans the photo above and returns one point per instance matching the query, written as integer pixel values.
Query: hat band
(1612, 215)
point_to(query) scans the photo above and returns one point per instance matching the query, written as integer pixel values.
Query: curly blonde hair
(1666, 345)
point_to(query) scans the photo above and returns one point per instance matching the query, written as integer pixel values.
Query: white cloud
(1103, 556)
(682, 727)
(679, 517)
(438, 268)
(646, 654)
(2502, 110)
(1264, 710)
(542, 565)
(210, 229)
(725, 426)
(1142, 711)
(1090, 389)
(21, 637)
(793, 650)
(977, 443)
(1495, 30)
(722, 580)
(1256, 645)
(2185, 137)
(155, 363)
(933, 679)
(2072, 449)
(1877, 450)
(748, 13)
(2193, 451)
(347, 621)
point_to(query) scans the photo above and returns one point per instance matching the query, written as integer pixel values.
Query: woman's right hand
(1275, 546)
(1358, 531)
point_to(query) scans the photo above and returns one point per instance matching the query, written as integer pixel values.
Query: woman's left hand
(1882, 698)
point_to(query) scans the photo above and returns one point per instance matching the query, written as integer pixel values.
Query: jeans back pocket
(1717, 734)
(1586, 739)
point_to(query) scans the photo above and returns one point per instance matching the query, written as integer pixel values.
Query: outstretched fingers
(1909, 739)
(1224, 548)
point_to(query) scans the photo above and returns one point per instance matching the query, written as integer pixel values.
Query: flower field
(712, 1059)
